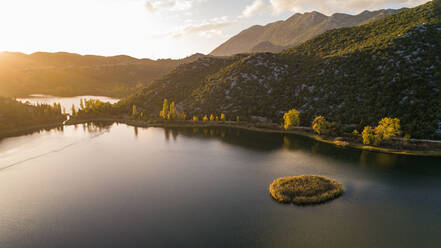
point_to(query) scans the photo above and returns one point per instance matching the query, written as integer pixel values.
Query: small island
(305, 189)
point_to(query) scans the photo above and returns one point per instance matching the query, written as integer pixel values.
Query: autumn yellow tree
(368, 135)
(222, 118)
(237, 119)
(205, 118)
(173, 114)
(387, 128)
(165, 108)
(134, 111)
(390, 127)
(195, 118)
(291, 119)
(211, 117)
(321, 126)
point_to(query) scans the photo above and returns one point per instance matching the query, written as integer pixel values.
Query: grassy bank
(267, 128)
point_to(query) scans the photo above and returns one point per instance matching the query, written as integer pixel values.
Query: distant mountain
(72, 74)
(277, 36)
(357, 75)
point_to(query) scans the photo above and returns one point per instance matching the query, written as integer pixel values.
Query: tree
(182, 116)
(165, 108)
(195, 118)
(222, 118)
(390, 127)
(205, 118)
(134, 112)
(81, 104)
(211, 117)
(141, 116)
(320, 125)
(368, 135)
(291, 119)
(173, 114)
(217, 118)
(237, 119)
(387, 128)
(74, 111)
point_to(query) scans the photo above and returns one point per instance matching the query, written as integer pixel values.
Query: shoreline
(30, 129)
(300, 131)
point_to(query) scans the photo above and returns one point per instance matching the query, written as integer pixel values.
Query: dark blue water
(120, 186)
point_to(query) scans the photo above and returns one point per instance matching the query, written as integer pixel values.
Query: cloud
(333, 6)
(256, 7)
(153, 6)
(206, 28)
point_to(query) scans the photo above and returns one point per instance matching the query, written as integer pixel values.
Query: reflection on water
(110, 185)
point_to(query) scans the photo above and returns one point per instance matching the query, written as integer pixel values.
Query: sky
(151, 28)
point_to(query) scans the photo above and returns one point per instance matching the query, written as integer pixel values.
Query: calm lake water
(66, 102)
(112, 185)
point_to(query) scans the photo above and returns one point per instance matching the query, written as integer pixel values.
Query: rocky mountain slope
(73, 74)
(357, 75)
(277, 36)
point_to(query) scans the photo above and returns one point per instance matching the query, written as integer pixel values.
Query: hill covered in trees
(357, 75)
(16, 115)
(66, 74)
(297, 29)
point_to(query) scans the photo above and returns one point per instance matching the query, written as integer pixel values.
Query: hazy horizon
(150, 29)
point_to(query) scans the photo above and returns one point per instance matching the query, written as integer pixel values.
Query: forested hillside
(15, 115)
(178, 84)
(357, 75)
(66, 74)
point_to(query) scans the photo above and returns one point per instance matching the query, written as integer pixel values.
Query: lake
(110, 185)
(66, 102)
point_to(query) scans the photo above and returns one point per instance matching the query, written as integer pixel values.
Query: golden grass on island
(305, 189)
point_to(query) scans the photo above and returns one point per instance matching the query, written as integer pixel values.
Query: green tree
(291, 119)
(237, 119)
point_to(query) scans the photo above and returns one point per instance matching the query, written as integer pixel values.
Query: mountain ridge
(293, 31)
(68, 74)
